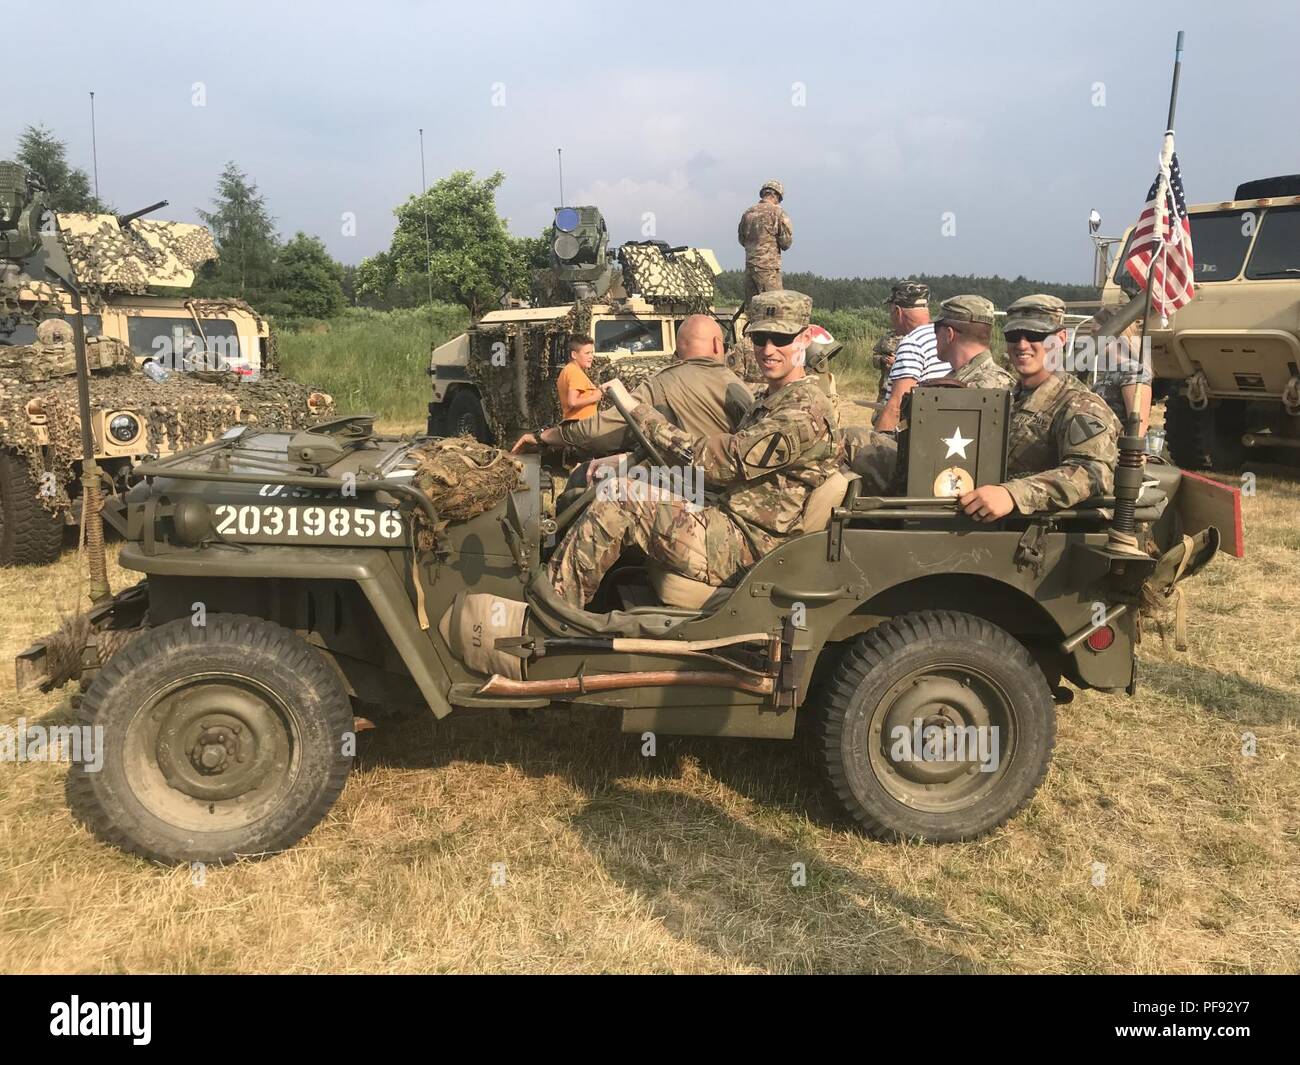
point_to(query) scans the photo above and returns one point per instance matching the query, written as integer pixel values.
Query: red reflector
(1102, 638)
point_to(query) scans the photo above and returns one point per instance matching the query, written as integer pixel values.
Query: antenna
(428, 250)
(559, 158)
(94, 147)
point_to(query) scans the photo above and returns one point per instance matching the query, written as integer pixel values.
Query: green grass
(372, 361)
(376, 361)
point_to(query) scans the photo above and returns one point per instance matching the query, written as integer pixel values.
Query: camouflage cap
(966, 309)
(775, 186)
(1035, 314)
(886, 345)
(779, 311)
(909, 294)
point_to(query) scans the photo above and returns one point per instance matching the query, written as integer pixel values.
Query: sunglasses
(781, 340)
(1017, 335)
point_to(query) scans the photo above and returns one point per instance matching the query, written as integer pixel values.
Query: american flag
(1169, 244)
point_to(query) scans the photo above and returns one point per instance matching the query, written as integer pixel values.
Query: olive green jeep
(293, 581)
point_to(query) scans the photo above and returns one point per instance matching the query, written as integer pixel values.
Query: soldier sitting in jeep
(783, 448)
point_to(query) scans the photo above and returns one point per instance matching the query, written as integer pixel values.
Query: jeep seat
(675, 590)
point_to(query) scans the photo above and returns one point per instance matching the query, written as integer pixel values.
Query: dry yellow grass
(614, 862)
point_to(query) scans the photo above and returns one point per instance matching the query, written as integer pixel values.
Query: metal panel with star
(956, 439)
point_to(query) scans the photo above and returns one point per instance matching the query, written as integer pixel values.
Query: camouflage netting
(631, 370)
(145, 252)
(462, 478)
(682, 279)
(679, 282)
(180, 412)
(23, 301)
(501, 380)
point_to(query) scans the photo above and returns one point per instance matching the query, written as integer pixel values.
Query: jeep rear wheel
(220, 741)
(938, 726)
(30, 535)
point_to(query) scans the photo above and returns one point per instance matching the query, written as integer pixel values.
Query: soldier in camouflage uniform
(1062, 444)
(962, 332)
(882, 354)
(764, 232)
(1123, 369)
(762, 473)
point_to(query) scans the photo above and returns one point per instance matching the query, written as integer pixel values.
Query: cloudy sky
(1011, 120)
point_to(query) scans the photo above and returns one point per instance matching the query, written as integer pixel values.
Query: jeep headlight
(124, 427)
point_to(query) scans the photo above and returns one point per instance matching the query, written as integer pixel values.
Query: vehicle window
(25, 332)
(630, 335)
(1277, 248)
(175, 342)
(1219, 243)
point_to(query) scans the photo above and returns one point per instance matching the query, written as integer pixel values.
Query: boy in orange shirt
(579, 398)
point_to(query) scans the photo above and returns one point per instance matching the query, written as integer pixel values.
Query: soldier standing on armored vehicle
(1062, 441)
(696, 390)
(765, 232)
(783, 448)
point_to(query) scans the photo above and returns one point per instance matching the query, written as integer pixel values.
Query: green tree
(68, 189)
(306, 280)
(244, 232)
(453, 235)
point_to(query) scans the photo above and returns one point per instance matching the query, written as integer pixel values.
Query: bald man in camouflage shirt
(765, 232)
(1062, 444)
(763, 473)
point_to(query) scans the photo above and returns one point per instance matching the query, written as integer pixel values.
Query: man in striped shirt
(917, 357)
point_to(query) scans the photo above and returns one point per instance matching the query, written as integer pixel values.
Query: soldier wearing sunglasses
(1062, 443)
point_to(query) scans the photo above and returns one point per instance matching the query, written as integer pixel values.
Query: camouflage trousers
(761, 279)
(873, 456)
(699, 542)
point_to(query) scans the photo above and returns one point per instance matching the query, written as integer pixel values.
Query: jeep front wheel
(938, 726)
(30, 534)
(227, 740)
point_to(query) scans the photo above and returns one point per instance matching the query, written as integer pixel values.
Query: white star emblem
(956, 443)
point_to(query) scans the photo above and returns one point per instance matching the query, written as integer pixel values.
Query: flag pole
(1162, 196)
(1131, 464)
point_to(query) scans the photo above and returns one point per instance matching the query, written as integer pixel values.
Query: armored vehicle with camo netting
(498, 379)
(167, 373)
(1230, 359)
(299, 587)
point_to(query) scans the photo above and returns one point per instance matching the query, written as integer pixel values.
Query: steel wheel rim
(213, 752)
(966, 721)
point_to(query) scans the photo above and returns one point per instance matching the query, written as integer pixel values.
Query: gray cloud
(982, 111)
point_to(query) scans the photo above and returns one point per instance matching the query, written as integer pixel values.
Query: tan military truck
(499, 377)
(167, 373)
(1233, 353)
